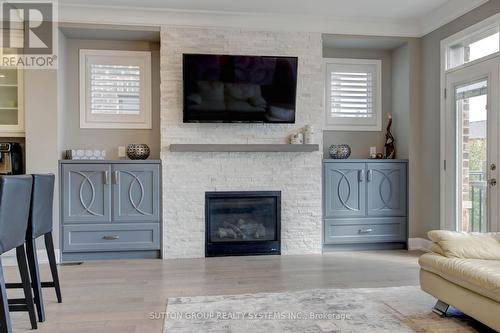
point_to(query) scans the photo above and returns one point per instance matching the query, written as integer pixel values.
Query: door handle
(365, 231)
(361, 175)
(492, 182)
(369, 175)
(116, 177)
(106, 177)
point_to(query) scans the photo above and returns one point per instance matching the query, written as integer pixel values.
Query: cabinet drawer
(347, 231)
(111, 237)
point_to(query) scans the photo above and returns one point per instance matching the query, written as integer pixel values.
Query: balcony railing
(478, 212)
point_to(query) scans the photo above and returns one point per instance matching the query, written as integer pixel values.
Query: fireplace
(242, 223)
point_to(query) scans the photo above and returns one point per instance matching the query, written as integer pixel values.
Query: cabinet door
(136, 192)
(344, 189)
(11, 102)
(86, 193)
(386, 189)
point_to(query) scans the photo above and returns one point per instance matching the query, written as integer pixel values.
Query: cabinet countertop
(366, 160)
(109, 161)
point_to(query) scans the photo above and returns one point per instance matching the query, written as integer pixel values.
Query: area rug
(373, 310)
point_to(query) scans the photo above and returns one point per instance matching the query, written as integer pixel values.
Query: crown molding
(448, 12)
(91, 14)
(134, 16)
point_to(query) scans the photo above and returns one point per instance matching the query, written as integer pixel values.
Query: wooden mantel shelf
(250, 148)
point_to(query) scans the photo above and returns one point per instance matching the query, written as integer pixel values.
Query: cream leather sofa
(463, 270)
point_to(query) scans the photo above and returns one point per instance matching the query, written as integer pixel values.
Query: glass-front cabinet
(11, 102)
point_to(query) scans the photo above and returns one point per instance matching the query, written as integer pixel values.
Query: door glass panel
(471, 103)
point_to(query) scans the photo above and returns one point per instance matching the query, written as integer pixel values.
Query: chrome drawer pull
(365, 231)
(114, 237)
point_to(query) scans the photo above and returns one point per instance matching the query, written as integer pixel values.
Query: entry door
(472, 148)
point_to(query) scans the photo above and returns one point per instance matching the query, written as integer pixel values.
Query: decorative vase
(340, 152)
(297, 139)
(138, 151)
(308, 134)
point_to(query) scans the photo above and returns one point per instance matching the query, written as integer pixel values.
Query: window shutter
(115, 89)
(351, 94)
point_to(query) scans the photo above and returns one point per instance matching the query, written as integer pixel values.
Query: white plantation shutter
(353, 94)
(115, 89)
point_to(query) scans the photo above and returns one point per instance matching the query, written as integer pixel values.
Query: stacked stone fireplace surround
(187, 176)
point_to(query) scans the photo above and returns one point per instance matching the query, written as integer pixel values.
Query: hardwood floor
(119, 296)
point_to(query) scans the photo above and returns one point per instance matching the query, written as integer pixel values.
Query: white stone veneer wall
(187, 176)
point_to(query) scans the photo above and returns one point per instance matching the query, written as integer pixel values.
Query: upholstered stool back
(15, 197)
(42, 198)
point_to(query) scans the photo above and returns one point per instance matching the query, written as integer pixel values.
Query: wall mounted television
(239, 88)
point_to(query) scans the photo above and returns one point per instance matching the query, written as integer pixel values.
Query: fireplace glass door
(242, 223)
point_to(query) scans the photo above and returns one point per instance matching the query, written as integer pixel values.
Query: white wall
(186, 176)
(361, 141)
(42, 143)
(74, 137)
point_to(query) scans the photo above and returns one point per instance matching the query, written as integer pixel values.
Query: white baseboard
(9, 258)
(421, 244)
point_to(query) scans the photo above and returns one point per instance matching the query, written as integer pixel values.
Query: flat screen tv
(229, 88)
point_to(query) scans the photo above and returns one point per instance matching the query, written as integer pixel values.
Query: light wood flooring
(119, 296)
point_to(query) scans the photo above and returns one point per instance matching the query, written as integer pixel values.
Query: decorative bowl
(340, 152)
(138, 151)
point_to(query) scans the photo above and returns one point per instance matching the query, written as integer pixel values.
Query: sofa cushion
(247, 92)
(480, 276)
(211, 91)
(467, 245)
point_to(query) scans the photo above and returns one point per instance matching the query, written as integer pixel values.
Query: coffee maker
(11, 159)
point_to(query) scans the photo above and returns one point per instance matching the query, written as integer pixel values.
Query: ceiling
(401, 9)
(416, 16)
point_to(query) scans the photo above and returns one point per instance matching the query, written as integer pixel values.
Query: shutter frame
(115, 89)
(353, 94)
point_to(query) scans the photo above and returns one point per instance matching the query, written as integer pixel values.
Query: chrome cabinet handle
(116, 177)
(106, 177)
(113, 237)
(369, 175)
(365, 231)
(361, 175)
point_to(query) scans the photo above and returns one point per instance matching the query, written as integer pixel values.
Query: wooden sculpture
(390, 148)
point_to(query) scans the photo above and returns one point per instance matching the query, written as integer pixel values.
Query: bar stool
(40, 224)
(15, 196)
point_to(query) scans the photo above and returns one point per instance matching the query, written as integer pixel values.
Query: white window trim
(489, 23)
(378, 95)
(144, 119)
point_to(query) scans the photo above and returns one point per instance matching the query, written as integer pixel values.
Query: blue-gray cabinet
(87, 193)
(136, 192)
(110, 209)
(346, 190)
(365, 201)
